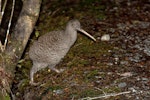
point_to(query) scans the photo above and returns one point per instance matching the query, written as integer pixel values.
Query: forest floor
(118, 69)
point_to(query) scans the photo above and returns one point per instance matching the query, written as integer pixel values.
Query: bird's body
(50, 48)
(43, 51)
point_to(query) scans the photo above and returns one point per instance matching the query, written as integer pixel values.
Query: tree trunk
(16, 45)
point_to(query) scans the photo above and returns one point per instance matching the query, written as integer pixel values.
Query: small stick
(12, 11)
(3, 9)
(0, 5)
(105, 96)
(1, 46)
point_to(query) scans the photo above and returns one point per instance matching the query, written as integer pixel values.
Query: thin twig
(3, 9)
(12, 11)
(72, 98)
(0, 5)
(0, 11)
(1, 17)
(105, 96)
(100, 90)
(1, 46)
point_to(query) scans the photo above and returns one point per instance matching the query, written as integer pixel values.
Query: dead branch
(9, 24)
(2, 12)
(105, 96)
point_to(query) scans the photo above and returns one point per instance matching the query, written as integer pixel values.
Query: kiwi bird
(51, 47)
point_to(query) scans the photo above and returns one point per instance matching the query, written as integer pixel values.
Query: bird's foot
(58, 70)
(34, 84)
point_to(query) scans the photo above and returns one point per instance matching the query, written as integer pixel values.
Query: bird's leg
(55, 69)
(32, 72)
(36, 67)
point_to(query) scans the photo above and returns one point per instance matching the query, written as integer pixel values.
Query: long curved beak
(87, 34)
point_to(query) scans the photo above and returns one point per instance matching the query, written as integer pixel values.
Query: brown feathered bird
(50, 48)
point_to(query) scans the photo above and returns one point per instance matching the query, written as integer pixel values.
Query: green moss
(92, 74)
(112, 89)
(89, 93)
(4, 96)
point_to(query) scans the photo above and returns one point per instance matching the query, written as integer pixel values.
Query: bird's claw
(34, 84)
